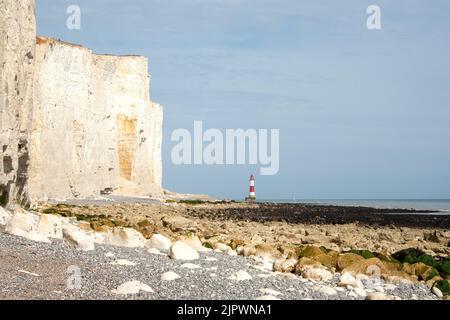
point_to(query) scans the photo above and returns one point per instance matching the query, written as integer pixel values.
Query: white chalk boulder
(78, 238)
(124, 237)
(195, 243)
(181, 251)
(50, 225)
(160, 242)
(24, 224)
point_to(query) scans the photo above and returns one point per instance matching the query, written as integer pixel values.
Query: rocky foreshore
(198, 250)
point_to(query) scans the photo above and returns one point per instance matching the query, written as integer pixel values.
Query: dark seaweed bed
(327, 214)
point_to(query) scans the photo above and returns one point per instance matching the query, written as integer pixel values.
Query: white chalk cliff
(79, 124)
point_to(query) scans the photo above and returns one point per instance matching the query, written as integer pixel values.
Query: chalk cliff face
(74, 124)
(95, 129)
(17, 43)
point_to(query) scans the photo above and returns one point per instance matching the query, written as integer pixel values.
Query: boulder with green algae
(424, 272)
(311, 251)
(387, 258)
(414, 255)
(346, 259)
(444, 267)
(366, 254)
(326, 260)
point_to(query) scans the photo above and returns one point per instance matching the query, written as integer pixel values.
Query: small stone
(240, 276)
(169, 276)
(347, 279)
(360, 292)
(379, 296)
(327, 290)
(390, 286)
(232, 253)
(267, 297)
(110, 254)
(153, 251)
(132, 287)
(270, 292)
(437, 292)
(123, 262)
(211, 259)
(29, 273)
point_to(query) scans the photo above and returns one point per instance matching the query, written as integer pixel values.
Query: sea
(441, 206)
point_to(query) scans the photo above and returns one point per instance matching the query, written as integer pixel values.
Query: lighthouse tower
(252, 196)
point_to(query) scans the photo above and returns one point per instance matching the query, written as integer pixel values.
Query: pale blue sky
(362, 114)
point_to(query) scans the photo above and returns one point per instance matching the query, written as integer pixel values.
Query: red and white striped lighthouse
(252, 187)
(252, 196)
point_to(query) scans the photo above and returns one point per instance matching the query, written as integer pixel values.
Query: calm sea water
(443, 206)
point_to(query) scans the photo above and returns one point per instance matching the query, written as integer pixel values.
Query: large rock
(400, 277)
(306, 263)
(327, 260)
(366, 266)
(25, 225)
(424, 272)
(124, 237)
(267, 251)
(78, 238)
(346, 259)
(320, 274)
(284, 265)
(181, 251)
(311, 252)
(50, 226)
(160, 242)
